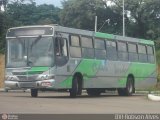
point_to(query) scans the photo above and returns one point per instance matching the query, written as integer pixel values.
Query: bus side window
(87, 47)
(61, 47)
(142, 52)
(57, 50)
(150, 54)
(122, 51)
(100, 50)
(111, 50)
(75, 48)
(61, 51)
(133, 55)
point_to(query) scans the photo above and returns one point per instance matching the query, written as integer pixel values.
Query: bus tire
(74, 90)
(128, 91)
(93, 92)
(79, 92)
(34, 92)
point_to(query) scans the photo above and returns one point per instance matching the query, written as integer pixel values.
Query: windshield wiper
(35, 41)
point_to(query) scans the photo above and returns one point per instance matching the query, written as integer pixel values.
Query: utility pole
(123, 20)
(95, 24)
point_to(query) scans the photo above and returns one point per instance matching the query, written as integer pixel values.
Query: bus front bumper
(29, 84)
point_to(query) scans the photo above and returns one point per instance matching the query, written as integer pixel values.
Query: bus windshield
(27, 52)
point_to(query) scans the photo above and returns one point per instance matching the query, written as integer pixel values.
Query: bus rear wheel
(128, 91)
(93, 92)
(34, 92)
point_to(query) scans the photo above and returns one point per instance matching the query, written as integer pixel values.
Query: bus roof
(103, 35)
(121, 38)
(92, 33)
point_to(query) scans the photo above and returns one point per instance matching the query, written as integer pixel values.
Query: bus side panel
(106, 74)
(109, 75)
(145, 76)
(64, 74)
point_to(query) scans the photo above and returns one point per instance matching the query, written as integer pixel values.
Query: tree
(5, 23)
(30, 14)
(81, 14)
(46, 14)
(21, 13)
(142, 17)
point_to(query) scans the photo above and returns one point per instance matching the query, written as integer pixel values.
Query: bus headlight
(11, 78)
(45, 77)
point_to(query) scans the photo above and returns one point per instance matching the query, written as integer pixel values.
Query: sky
(54, 2)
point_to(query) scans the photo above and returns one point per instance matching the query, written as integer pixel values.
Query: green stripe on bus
(37, 70)
(141, 71)
(148, 42)
(87, 68)
(104, 35)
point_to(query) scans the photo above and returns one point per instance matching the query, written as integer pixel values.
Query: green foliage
(46, 14)
(5, 23)
(30, 14)
(81, 14)
(78, 13)
(142, 18)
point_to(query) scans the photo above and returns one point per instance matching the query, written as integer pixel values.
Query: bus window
(111, 50)
(133, 55)
(100, 52)
(122, 51)
(75, 52)
(142, 53)
(86, 42)
(75, 49)
(87, 47)
(150, 54)
(99, 44)
(74, 40)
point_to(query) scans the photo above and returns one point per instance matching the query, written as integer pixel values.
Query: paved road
(60, 103)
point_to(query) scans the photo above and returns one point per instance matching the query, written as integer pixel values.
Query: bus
(53, 57)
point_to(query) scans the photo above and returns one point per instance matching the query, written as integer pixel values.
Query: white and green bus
(52, 57)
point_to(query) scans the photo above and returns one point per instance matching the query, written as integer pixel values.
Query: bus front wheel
(74, 90)
(128, 91)
(34, 92)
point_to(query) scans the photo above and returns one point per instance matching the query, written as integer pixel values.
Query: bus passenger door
(61, 52)
(61, 61)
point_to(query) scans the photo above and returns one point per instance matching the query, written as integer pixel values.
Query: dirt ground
(61, 103)
(2, 63)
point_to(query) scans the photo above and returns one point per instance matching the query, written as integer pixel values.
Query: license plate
(46, 84)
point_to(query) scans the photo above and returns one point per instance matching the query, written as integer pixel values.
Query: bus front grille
(27, 78)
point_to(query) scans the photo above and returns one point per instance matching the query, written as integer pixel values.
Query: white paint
(154, 97)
